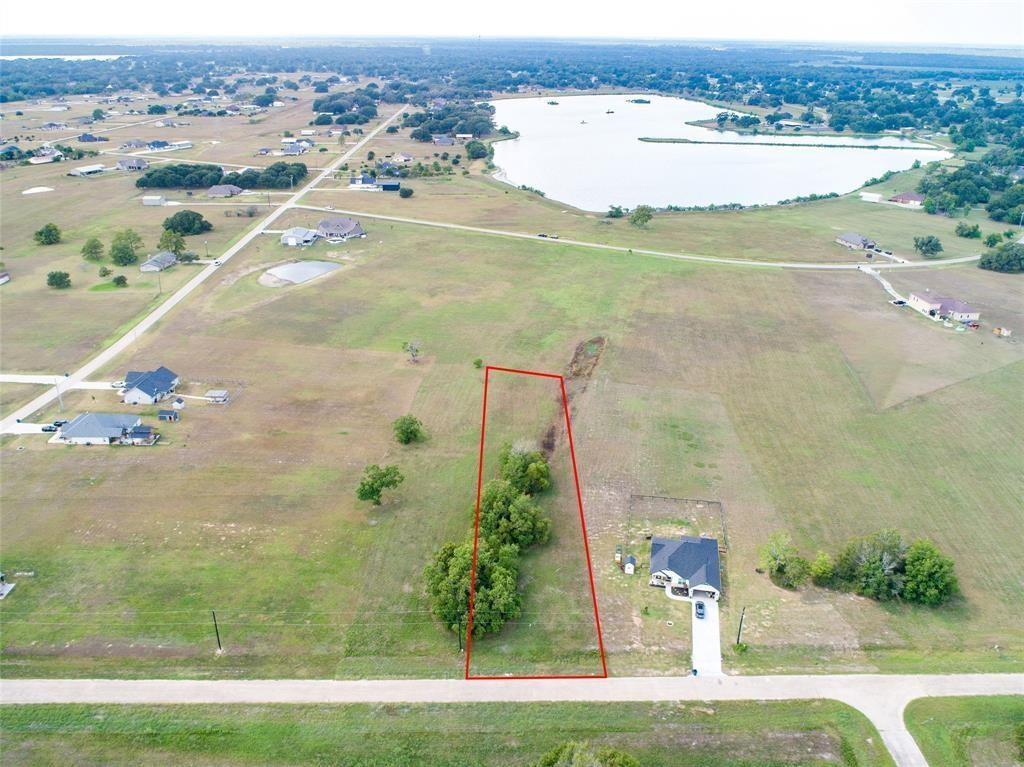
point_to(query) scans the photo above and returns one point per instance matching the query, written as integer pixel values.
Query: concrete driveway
(707, 643)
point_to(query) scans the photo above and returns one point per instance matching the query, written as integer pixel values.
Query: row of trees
(880, 566)
(510, 521)
(280, 175)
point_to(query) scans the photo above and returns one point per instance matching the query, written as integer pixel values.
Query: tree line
(280, 175)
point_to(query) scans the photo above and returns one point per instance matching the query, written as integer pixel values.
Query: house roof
(947, 305)
(223, 190)
(630, 560)
(151, 382)
(855, 239)
(299, 233)
(339, 226)
(161, 260)
(907, 197)
(134, 162)
(363, 179)
(695, 560)
(171, 413)
(99, 425)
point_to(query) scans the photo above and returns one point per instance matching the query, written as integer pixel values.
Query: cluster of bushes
(280, 175)
(1007, 258)
(880, 566)
(510, 522)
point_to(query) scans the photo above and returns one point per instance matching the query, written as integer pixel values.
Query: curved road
(882, 698)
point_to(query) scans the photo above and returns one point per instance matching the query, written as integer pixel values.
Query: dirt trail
(581, 368)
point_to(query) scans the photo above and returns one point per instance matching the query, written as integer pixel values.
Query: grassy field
(968, 732)
(793, 416)
(812, 734)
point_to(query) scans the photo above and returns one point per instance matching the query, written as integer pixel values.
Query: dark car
(60, 422)
(49, 427)
(699, 610)
(542, 235)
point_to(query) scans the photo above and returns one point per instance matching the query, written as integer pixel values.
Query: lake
(578, 153)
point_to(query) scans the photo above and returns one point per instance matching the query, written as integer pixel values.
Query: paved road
(808, 265)
(882, 698)
(108, 354)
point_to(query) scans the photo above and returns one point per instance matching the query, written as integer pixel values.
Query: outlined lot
(559, 633)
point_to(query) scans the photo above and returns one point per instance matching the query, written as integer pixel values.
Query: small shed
(629, 565)
(168, 415)
(220, 396)
(178, 404)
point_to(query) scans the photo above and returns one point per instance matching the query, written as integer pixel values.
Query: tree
(412, 348)
(59, 280)
(186, 222)
(873, 566)
(105, 271)
(48, 235)
(408, 429)
(784, 565)
(526, 470)
(476, 150)
(92, 250)
(97, 114)
(124, 247)
(508, 516)
(928, 578)
(970, 231)
(376, 480)
(573, 754)
(1007, 258)
(496, 597)
(823, 570)
(405, 193)
(323, 119)
(641, 215)
(993, 240)
(120, 281)
(615, 211)
(928, 246)
(172, 241)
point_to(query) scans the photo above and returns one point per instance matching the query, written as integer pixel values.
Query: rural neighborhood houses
(149, 386)
(945, 308)
(687, 566)
(106, 429)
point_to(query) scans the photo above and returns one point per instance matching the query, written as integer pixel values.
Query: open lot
(716, 383)
(815, 733)
(967, 732)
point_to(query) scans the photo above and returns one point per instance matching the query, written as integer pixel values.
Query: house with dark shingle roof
(132, 163)
(99, 429)
(689, 565)
(223, 190)
(339, 228)
(855, 241)
(149, 386)
(165, 259)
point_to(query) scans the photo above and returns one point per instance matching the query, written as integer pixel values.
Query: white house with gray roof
(106, 429)
(158, 262)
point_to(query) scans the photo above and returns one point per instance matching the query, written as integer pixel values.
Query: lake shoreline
(669, 140)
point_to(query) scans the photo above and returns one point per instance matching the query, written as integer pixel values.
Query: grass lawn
(968, 732)
(814, 733)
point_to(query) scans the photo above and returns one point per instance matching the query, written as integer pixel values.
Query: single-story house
(402, 157)
(53, 126)
(855, 241)
(132, 163)
(223, 190)
(298, 236)
(87, 170)
(40, 159)
(134, 143)
(148, 387)
(154, 199)
(940, 306)
(101, 429)
(462, 138)
(219, 396)
(292, 150)
(339, 228)
(159, 261)
(179, 145)
(89, 138)
(443, 140)
(364, 183)
(910, 199)
(168, 415)
(687, 564)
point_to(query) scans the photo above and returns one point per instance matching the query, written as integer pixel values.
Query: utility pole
(739, 631)
(216, 630)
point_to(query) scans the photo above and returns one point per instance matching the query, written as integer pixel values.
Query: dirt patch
(584, 361)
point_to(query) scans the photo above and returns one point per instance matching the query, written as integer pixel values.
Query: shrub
(784, 565)
(59, 280)
(970, 231)
(105, 271)
(929, 578)
(478, 363)
(823, 570)
(48, 235)
(408, 429)
(574, 754)
(405, 193)
(120, 281)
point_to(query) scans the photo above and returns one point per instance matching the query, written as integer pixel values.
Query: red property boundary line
(583, 525)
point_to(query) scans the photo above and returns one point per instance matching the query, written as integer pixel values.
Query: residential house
(402, 157)
(41, 159)
(688, 565)
(462, 138)
(910, 199)
(339, 228)
(154, 199)
(106, 429)
(223, 190)
(149, 386)
(175, 145)
(90, 138)
(293, 150)
(442, 140)
(168, 415)
(134, 143)
(218, 396)
(940, 306)
(132, 164)
(388, 184)
(157, 144)
(855, 241)
(298, 236)
(363, 183)
(158, 262)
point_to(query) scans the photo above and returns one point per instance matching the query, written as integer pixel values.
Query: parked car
(898, 302)
(49, 427)
(217, 262)
(553, 236)
(542, 235)
(699, 609)
(60, 422)
(117, 385)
